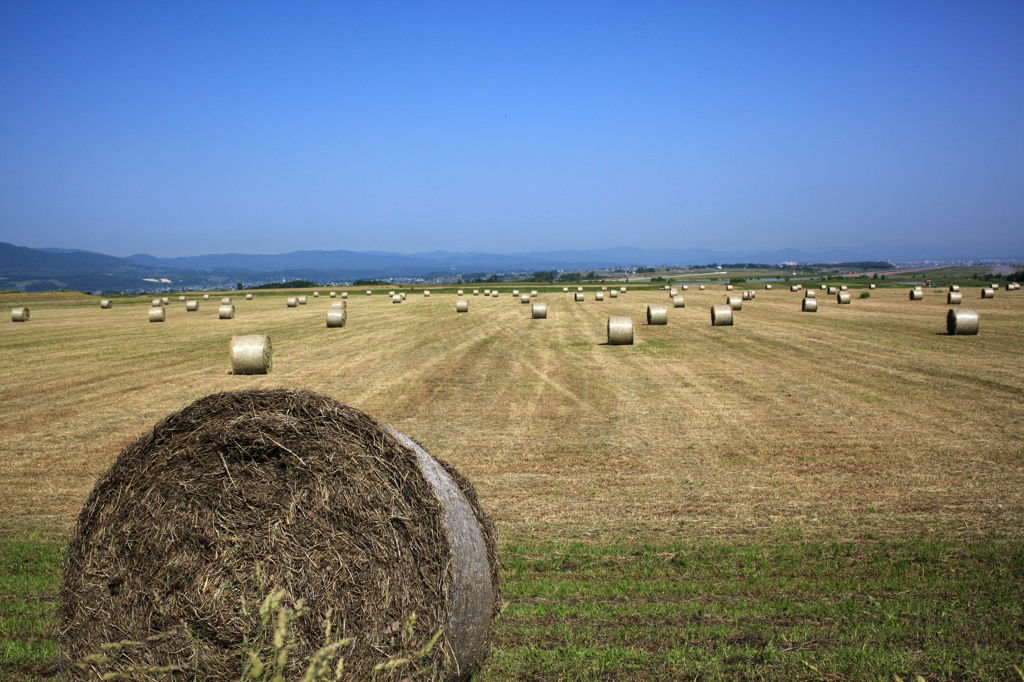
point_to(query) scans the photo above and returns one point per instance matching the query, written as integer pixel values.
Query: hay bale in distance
(392, 292)
(721, 316)
(106, 303)
(988, 293)
(524, 298)
(622, 290)
(402, 295)
(248, 297)
(672, 293)
(462, 306)
(620, 330)
(293, 302)
(599, 296)
(460, 292)
(426, 293)
(728, 287)
(735, 302)
(794, 287)
(995, 285)
(745, 295)
(515, 292)
(206, 297)
(337, 316)
(302, 300)
(679, 302)
(157, 314)
(369, 292)
(832, 291)
(225, 301)
(333, 294)
(165, 300)
(767, 287)
(157, 302)
(916, 295)
(181, 299)
(810, 305)
(823, 288)
(843, 297)
(809, 293)
(604, 288)
(579, 297)
(954, 298)
(540, 310)
(344, 294)
(843, 287)
(316, 294)
(396, 298)
(962, 321)
(476, 292)
(533, 294)
(251, 354)
(656, 314)
(226, 312)
(614, 293)
(21, 314)
(871, 286)
(192, 306)
(565, 290)
(494, 293)
(487, 292)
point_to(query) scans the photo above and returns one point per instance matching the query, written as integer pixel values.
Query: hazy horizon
(192, 129)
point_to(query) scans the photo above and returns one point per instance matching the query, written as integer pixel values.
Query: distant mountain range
(54, 268)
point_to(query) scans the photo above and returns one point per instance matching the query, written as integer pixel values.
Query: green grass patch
(29, 580)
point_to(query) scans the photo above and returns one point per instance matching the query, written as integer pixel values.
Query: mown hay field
(861, 426)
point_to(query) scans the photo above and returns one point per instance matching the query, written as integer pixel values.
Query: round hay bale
(672, 293)
(21, 314)
(165, 300)
(533, 294)
(487, 292)
(337, 316)
(339, 304)
(916, 295)
(369, 292)
(679, 302)
(206, 297)
(656, 314)
(995, 285)
(226, 312)
(293, 302)
(192, 306)
(476, 292)
(426, 293)
(721, 316)
(962, 321)
(316, 294)
(565, 290)
(226, 300)
(871, 286)
(746, 295)
(402, 295)
(524, 298)
(302, 300)
(810, 305)
(344, 294)
(620, 330)
(753, 295)
(396, 298)
(614, 293)
(106, 303)
(622, 290)
(392, 292)
(157, 302)
(248, 297)
(579, 297)
(515, 292)
(604, 288)
(579, 288)
(988, 293)
(333, 294)
(157, 314)
(767, 287)
(843, 287)
(809, 294)
(599, 296)
(843, 297)
(823, 288)
(794, 287)
(701, 287)
(954, 298)
(735, 302)
(494, 294)
(460, 292)
(728, 287)
(462, 306)
(181, 299)
(540, 310)
(251, 354)
(832, 291)
(685, 287)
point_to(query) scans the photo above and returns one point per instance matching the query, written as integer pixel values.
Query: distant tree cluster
(367, 283)
(545, 276)
(570, 277)
(641, 271)
(296, 284)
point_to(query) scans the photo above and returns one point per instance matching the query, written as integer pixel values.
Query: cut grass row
(777, 607)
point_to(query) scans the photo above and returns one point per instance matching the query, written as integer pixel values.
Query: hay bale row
(962, 321)
(620, 330)
(721, 316)
(20, 314)
(251, 354)
(809, 305)
(540, 310)
(656, 314)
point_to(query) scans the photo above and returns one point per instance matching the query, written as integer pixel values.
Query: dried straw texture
(157, 314)
(226, 312)
(252, 354)
(599, 296)
(248, 297)
(657, 314)
(578, 296)
(614, 293)
(335, 507)
(810, 294)
(192, 306)
(396, 299)
(735, 302)
(810, 305)
(988, 293)
(524, 298)
(302, 300)
(721, 316)
(843, 297)
(462, 306)
(106, 303)
(540, 310)
(20, 314)
(954, 298)
(679, 302)
(293, 302)
(158, 302)
(620, 330)
(962, 322)
(916, 295)
(225, 301)
(337, 316)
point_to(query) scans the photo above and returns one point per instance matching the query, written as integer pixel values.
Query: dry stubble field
(858, 423)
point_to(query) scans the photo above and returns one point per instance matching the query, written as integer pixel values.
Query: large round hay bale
(106, 303)
(728, 287)
(578, 296)
(396, 299)
(332, 506)
(843, 287)
(402, 295)
(302, 300)
(679, 302)
(599, 296)
(916, 295)
(344, 294)
(248, 297)
(672, 293)
(794, 287)
(251, 354)
(871, 286)
(157, 302)
(700, 287)
(20, 314)
(657, 314)
(614, 293)
(226, 312)
(810, 305)
(206, 297)
(620, 330)
(476, 292)
(767, 287)
(191, 306)
(565, 290)
(810, 293)
(995, 285)
(954, 298)
(721, 316)
(832, 291)
(494, 294)
(337, 316)
(293, 302)
(316, 294)
(524, 298)
(462, 306)
(746, 295)
(426, 293)
(962, 321)
(540, 310)
(225, 301)
(157, 314)
(988, 293)
(735, 302)
(843, 297)
(333, 294)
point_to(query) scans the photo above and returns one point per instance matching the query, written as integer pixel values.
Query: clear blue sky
(180, 129)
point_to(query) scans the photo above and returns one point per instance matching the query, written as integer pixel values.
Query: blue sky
(181, 129)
